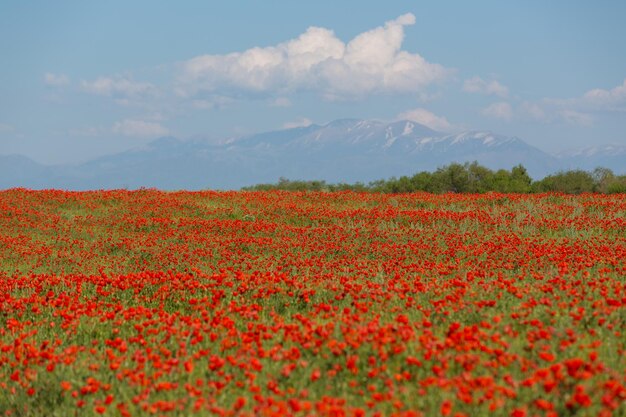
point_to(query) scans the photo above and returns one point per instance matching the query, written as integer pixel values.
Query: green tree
(602, 178)
(452, 178)
(480, 178)
(569, 182)
(617, 185)
(520, 181)
(422, 181)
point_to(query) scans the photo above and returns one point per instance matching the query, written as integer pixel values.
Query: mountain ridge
(344, 150)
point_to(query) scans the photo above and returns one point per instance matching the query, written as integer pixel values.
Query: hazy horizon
(234, 139)
(81, 80)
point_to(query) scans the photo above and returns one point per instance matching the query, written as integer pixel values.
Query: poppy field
(132, 303)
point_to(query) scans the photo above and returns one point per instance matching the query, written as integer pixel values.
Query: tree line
(470, 178)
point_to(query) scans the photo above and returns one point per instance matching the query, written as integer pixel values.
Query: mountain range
(346, 150)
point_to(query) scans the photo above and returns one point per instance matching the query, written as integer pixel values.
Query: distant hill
(346, 150)
(610, 156)
(19, 171)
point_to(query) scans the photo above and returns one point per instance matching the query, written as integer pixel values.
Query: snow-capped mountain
(346, 150)
(612, 156)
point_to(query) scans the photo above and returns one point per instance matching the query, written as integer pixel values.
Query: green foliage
(603, 179)
(569, 182)
(470, 178)
(618, 186)
(288, 185)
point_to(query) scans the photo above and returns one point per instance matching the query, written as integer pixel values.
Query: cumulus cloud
(280, 102)
(501, 110)
(533, 111)
(576, 118)
(478, 85)
(427, 118)
(613, 99)
(372, 62)
(118, 87)
(579, 111)
(301, 122)
(597, 99)
(55, 80)
(139, 128)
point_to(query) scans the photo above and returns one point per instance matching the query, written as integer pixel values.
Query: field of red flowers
(135, 303)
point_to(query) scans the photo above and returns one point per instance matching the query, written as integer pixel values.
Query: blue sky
(84, 78)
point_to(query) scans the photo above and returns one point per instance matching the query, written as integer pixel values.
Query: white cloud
(532, 110)
(426, 97)
(118, 87)
(606, 99)
(501, 110)
(302, 122)
(596, 100)
(280, 102)
(581, 110)
(426, 118)
(576, 118)
(372, 62)
(56, 80)
(478, 85)
(139, 128)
